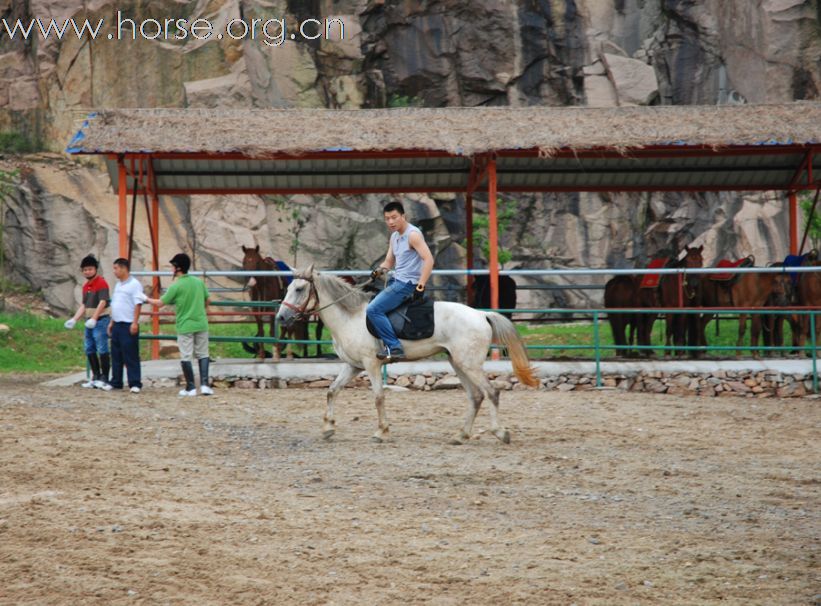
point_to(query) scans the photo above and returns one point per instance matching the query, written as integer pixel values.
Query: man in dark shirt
(95, 308)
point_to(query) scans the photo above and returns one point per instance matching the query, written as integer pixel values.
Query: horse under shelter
(156, 152)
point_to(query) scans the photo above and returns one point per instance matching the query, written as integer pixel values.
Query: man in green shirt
(190, 298)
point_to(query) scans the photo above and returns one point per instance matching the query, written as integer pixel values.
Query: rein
(304, 311)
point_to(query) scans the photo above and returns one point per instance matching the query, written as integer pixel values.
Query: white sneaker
(206, 391)
(135, 389)
(102, 385)
(185, 392)
(88, 384)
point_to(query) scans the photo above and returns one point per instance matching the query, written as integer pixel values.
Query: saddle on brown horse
(731, 277)
(653, 280)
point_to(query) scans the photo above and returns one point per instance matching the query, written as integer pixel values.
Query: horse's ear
(256, 248)
(309, 271)
(701, 248)
(243, 248)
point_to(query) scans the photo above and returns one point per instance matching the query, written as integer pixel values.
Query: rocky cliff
(409, 52)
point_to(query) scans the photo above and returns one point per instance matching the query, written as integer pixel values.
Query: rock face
(426, 52)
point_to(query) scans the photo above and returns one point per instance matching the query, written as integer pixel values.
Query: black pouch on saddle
(413, 320)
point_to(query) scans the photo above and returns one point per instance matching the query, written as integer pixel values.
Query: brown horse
(263, 288)
(683, 290)
(622, 291)
(272, 288)
(809, 295)
(746, 290)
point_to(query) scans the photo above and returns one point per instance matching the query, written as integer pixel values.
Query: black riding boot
(105, 367)
(94, 363)
(205, 388)
(188, 373)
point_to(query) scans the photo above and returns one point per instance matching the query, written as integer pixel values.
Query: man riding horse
(412, 261)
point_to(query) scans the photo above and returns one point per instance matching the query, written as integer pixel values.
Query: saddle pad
(745, 262)
(652, 280)
(282, 266)
(411, 321)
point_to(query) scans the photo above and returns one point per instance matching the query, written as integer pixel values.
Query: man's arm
(135, 324)
(417, 242)
(390, 260)
(80, 312)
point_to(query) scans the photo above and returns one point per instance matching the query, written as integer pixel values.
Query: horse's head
(300, 297)
(251, 260)
(782, 292)
(693, 256)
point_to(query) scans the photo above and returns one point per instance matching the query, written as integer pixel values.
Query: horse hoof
(503, 435)
(376, 439)
(455, 442)
(328, 434)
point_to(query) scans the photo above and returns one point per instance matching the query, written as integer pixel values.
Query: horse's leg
(344, 377)
(260, 347)
(742, 329)
(755, 331)
(318, 337)
(272, 329)
(374, 371)
(283, 332)
(475, 397)
(471, 365)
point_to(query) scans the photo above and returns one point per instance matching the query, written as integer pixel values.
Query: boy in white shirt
(124, 329)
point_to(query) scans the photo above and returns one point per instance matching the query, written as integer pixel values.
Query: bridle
(303, 311)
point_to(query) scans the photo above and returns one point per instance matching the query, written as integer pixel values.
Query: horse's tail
(504, 333)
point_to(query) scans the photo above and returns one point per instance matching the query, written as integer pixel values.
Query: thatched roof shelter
(751, 147)
(456, 131)
(289, 151)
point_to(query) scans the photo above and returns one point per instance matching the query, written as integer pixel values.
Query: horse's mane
(337, 288)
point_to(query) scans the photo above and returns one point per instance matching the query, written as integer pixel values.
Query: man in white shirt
(124, 329)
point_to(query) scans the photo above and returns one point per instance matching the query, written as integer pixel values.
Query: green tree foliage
(505, 213)
(811, 218)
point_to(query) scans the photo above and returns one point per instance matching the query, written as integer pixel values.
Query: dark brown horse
(683, 290)
(622, 291)
(272, 288)
(809, 295)
(744, 291)
(263, 288)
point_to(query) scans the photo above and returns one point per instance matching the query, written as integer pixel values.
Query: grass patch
(36, 344)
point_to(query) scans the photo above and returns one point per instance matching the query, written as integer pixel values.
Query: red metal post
(793, 223)
(493, 240)
(469, 229)
(155, 266)
(155, 256)
(123, 219)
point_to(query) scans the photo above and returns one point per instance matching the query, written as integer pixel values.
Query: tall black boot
(94, 362)
(205, 388)
(188, 373)
(105, 367)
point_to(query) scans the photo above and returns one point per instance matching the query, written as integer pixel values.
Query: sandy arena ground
(602, 498)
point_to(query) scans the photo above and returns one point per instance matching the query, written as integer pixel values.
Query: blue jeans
(125, 350)
(96, 339)
(393, 296)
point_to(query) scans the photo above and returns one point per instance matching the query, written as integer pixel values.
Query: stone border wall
(720, 383)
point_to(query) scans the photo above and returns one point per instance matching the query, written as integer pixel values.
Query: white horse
(462, 332)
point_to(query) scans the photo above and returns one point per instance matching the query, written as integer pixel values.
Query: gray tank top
(408, 262)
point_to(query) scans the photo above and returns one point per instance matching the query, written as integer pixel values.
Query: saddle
(411, 321)
(731, 277)
(798, 261)
(652, 280)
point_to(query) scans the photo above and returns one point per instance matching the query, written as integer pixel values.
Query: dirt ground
(602, 498)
